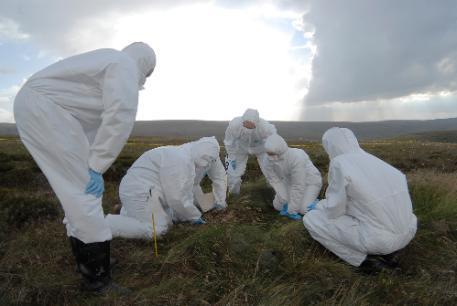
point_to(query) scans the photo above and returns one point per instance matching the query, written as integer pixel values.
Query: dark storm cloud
(368, 50)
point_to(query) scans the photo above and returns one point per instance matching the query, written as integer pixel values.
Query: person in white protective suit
(160, 184)
(244, 136)
(367, 209)
(295, 179)
(74, 117)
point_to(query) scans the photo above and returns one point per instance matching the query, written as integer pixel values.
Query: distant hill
(308, 131)
(437, 136)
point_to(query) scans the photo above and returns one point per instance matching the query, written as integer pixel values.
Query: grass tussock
(247, 255)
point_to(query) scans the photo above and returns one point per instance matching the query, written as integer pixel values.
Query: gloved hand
(198, 221)
(96, 185)
(233, 164)
(295, 216)
(312, 205)
(219, 207)
(284, 210)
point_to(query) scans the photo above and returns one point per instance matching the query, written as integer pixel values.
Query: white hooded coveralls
(293, 176)
(367, 208)
(77, 114)
(240, 142)
(160, 183)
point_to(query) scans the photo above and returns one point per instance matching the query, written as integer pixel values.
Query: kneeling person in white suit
(295, 179)
(367, 209)
(160, 184)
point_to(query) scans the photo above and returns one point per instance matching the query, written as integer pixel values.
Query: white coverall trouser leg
(135, 220)
(341, 236)
(234, 175)
(59, 146)
(352, 240)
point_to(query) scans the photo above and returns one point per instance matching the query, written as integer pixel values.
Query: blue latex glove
(233, 164)
(313, 205)
(96, 185)
(284, 209)
(198, 221)
(295, 216)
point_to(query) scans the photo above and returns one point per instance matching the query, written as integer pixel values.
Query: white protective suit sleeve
(177, 184)
(297, 184)
(335, 195)
(230, 139)
(275, 181)
(120, 99)
(219, 182)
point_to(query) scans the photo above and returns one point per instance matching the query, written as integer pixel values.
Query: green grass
(247, 255)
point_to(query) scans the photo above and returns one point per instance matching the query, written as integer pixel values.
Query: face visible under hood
(337, 141)
(145, 58)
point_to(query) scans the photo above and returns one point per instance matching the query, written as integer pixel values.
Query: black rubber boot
(392, 259)
(372, 265)
(93, 262)
(74, 247)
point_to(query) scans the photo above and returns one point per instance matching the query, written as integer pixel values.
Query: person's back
(299, 158)
(154, 168)
(367, 209)
(378, 195)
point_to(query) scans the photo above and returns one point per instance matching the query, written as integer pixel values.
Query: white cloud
(9, 29)
(69, 27)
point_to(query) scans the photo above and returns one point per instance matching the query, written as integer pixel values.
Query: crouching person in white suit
(295, 179)
(367, 209)
(160, 185)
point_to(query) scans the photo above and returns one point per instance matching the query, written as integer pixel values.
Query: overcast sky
(357, 60)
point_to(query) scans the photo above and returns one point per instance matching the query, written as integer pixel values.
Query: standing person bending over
(74, 117)
(295, 179)
(367, 209)
(160, 183)
(245, 135)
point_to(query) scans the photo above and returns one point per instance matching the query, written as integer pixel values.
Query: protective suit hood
(338, 141)
(204, 151)
(145, 58)
(251, 115)
(276, 144)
